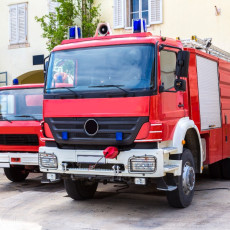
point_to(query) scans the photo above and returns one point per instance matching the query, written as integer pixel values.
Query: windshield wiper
(5, 119)
(109, 86)
(68, 88)
(28, 116)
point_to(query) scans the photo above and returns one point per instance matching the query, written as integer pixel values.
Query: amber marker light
(183, 142)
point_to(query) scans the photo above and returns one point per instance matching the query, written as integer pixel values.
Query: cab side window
(168, 68)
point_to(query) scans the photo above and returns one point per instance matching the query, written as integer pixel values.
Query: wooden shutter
(119, 14)
(13, 25)
(155, 11)
(22, 23)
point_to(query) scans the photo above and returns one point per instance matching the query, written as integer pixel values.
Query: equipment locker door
(209, 95)
(209, 103)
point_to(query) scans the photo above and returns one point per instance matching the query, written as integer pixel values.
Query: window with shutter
(151, 10)
(52, 6)
(155, 11)
(18, 23)
(136, 9)
(118, 14)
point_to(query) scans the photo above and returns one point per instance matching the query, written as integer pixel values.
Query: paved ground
(34, 206)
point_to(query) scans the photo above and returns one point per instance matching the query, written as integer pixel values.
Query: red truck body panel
(216, 145)
(21, 127)
(140, 38)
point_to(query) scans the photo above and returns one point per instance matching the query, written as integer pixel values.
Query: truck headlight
(142, 164)
(47, 160)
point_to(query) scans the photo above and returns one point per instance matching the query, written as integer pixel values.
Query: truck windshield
(119, 69)
(21, 104)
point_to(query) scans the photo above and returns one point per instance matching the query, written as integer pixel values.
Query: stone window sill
(21, 45)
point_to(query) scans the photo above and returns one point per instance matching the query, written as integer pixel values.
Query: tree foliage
(89, 15)
(55, 25)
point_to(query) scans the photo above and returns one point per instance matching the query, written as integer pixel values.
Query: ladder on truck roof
(205, 45)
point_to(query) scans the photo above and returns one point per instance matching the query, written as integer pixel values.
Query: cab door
(172, 102)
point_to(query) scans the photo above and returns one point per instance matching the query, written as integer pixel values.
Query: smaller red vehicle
(20, 125)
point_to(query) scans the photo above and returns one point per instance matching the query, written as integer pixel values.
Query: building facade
(172, 18)
(23, 48)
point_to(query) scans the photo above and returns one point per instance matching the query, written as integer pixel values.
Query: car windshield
(21, 104)
(120, 69)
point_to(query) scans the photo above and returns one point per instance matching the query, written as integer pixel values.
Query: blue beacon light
(15, 81)
(139, 25)
(74, 32)
(79, 32)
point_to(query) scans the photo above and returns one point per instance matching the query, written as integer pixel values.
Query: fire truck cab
(20, 129)
(121, 109)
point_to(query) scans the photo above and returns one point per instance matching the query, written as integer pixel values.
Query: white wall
(17, 61)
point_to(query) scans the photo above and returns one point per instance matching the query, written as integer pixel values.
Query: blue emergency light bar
(139, 25)
(74, 32)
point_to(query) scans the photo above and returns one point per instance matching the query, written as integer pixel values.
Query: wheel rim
(188, 178)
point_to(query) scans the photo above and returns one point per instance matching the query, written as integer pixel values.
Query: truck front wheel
(80, 190)
(183, 195)
(16, 173)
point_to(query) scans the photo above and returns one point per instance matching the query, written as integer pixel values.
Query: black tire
(16, 173)
(226, 168)
(179, 198)
(80, 190)
(215, 170)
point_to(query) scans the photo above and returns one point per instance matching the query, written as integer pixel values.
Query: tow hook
(64, 166)
(116, 169)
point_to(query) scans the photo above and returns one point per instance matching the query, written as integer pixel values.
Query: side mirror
(182, 64)
(46, 65)
(180, 85)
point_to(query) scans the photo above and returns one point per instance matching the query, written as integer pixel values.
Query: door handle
(180, 105)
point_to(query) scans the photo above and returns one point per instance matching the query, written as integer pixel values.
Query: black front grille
(106, 135)
(19, 139)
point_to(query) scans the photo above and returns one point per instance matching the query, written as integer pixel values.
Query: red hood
(97, 107)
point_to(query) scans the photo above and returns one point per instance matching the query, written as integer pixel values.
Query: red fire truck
(136, 108)
(20, 129)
